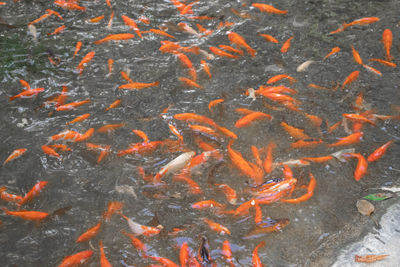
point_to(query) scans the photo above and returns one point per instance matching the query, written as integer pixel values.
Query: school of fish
(200, 144)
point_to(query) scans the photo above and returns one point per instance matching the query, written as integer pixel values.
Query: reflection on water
(317, 228)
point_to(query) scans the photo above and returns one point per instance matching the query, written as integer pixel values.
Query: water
(318, 228)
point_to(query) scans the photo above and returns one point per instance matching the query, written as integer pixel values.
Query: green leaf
(378, 196)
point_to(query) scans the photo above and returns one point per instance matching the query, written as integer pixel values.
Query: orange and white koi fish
(286, 45)
(138, 86)
(373, 70)
(110, 21)
(256, 259)
(362, 21)
(76, 259)
(72, 105)
(356, 56)
(387, 38)
(249, 118)
(50, 151)
(15, 154)
(27, 93)
(115, 37)
(220, 52)
(334, 50)
(131, 23)
(139, 229)
(136, 242)
(186, 28)
(27, 214)
(114, 104)
(379, 152)
(269, 9)
(174, 165)
(9, 197)
(351, 78)
(362, 165)
(86, 59)
(269, 38)
(89, 234)
(217, 227)
(113, 207)
(103, 260)
(241, 42)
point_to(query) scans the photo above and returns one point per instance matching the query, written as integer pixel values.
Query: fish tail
(12, 98)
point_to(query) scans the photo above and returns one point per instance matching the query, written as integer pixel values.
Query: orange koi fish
(189, 82)
(25, 84)
(256, 259)
(164, 261)
(185, 60)
(96, 19)
(139, 229)
(184, 254)
(110, 127)
(115, 37)
(89, 234)
(136, 242)
(55, 13)
(110, 63)
(294, 132)
(113, 207)
(256, 155)
(27, 93)
(384, 62)
(50, 151)
(334, 50)
(379, 152)
(362, 21)
(206, 68)
(229, 192)
(351, 78)
(194, 118)
(356, 56)
(318, 159)
(44, 16)
(269, 38)
(108, 2)
(194, 188)
(302, 143)
(114, 104)
(142, 135)
(140, 148)
(131, 23)
(220, 52)
(369, 258)
(103, 260)
(249, 118)
(268, 162)
(61, 147)
(79, 119)
(203, 129)
(86, 59)
(227, 252)
(77, 48)
(27, 214)
(279, 77)
(104, 150)
(231, 49)
(310, 192)
(387, 38)
(76, 259)
(125, 76)
(217, 227)
(175, 132)
(162, 33)
(9, 197)
(269, 9)
(138, 86)
(348, 140)
(85, 136)
(57, 30)
(373, 70)
(70, 5)
(145, 20)
(358, 118)
(362, 165)
(286, 45)
(240, 41)
(214, 103)
(206, 204)
(15, 154)
(72, 105)
(65, 135)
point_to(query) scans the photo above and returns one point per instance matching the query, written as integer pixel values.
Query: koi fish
(256, 259)
(362, 21)
(77, 48)
(138, 86)
(348, 140)
(249, 118)
(356, 56)
(25, 84)
(79, 118)
(72, 105)
(220, 52)
(387, 38)
(351, 78)
(206, 68)
(57, 30)
(334, 50)
(110, 127)
(302, 143)
(113, 207)
(139, 229)
(294, 132)
(310, 192)
(27, 214)
(131, 23)
(205, 204)
(50, 151)
(369, 258)
(76, 259)
(110, 21)
(217, 227)
(86, 59)
(44, 16)
(114, 104)
(241, 42)
(115, 37)
(269, 38)
(136, 242)
(227, 252)
(96, 19)
(358, 118)
(85, 136)
(175, 165)
(27, 93)
(125, 76)
(103, 260)
(15, 154)
(162, 33)
(362, 165)
(110, 63)
(279, 77)
(286, 45)
(9, 197)
(269, 9)
(373, 70)
(267, 164)
(184, 254)
(384, 62)
(379, 152)
(89, 234)
(190, 82)
(164, 261)
(268, 226)
(229, 192)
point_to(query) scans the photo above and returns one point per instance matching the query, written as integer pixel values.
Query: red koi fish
(115, 37)
(387, 38)
(241, 42)
(217, 227)
(362, 165)
(103, 260)
(131, 23)
(76, 259)
(334, 50)
(351, 78)
(86, 59)
(138, 86)
(27, 214)
(89, 234)
(9, 197)
(269, 9)
(15, 154)
(27, 93)
(36, 189)
(379, 152)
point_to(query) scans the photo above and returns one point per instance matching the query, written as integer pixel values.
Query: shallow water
(318, 228)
